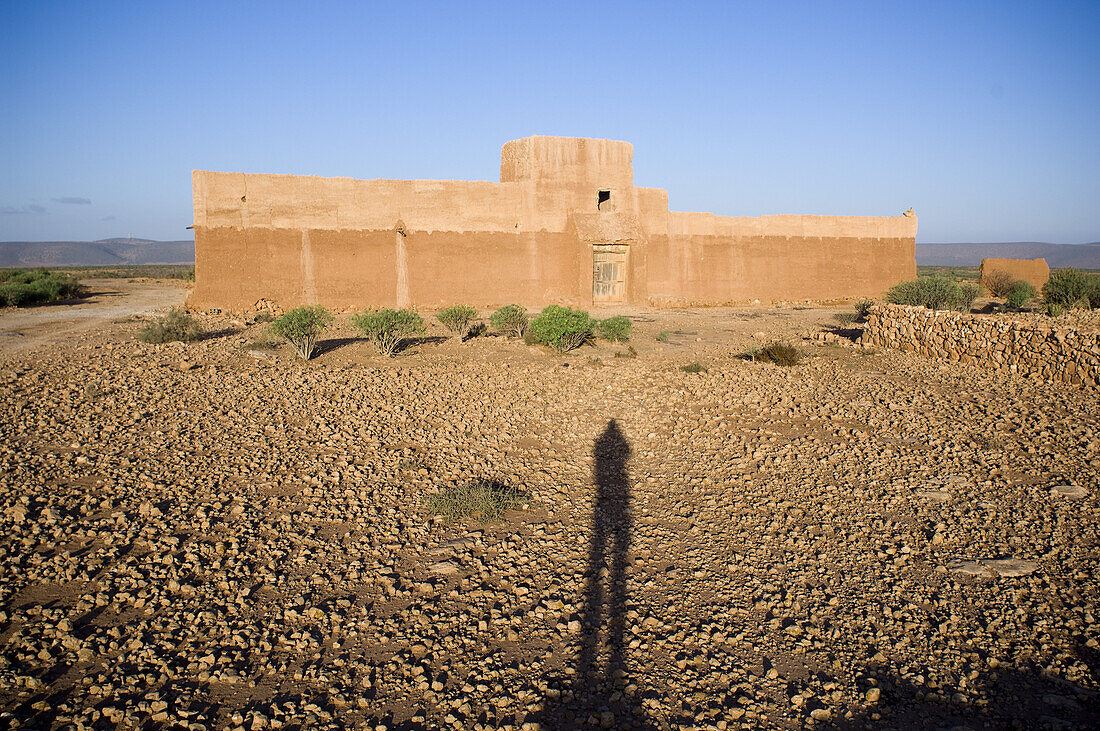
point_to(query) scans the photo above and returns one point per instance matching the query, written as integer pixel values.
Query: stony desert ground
(216, 535)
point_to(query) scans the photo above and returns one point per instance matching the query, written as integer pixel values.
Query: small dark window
(603, 200)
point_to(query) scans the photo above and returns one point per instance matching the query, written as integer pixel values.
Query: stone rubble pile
(1057, 352)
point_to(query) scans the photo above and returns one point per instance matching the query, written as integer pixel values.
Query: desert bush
(779, 353)
(177, 325)
(863, 308)
(301, 327)
(1021, 293)
(662, 337)
(616, 329)
(968, 292)
(936, 292)
(695, 367)
(1071, 287)
(386, 329)
(36, 286)
(457, 319)
(998, 282)
(511, 320)
(561, 328)
(484, 500)
(1053, 309)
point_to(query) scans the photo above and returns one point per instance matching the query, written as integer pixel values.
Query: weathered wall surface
(1034, 271)
(529, 239)
(1053, 352)
(707, 259)
(356, 269)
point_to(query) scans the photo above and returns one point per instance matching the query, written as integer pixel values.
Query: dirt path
(111, 299)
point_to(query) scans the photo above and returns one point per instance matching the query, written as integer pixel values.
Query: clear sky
(983, 116)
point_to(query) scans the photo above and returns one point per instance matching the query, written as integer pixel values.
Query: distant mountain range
(95, 253)
(1082, 256)
(145, 251)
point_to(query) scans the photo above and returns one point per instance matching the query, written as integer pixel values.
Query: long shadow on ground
(599, 691)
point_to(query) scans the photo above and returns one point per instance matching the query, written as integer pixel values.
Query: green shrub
(968, 292)
(386, 329)
(177, 325)
(561, 328)
(695, 367)
(779, 353)
(1053, 309)
(863, 308)
(936, 292)
(301, 327)
(1021, 293)
(998, 282)
(1071, 287)
(616, 329)
(662, 337)
(510, 320)
(480, 499)
(457, 319)
(36, 286)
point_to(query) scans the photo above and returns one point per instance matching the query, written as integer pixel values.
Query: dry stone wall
(1058, 351)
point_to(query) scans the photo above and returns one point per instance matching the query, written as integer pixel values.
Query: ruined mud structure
(1034, 271)
(565, 224)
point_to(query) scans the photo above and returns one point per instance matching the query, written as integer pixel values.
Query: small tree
(1021, 293)
(457, 319)
(386, 329)
(616, 329)
(936, 293)
(1068, 287)
(561, 328)
(301, 327)
(968, 292)
(177, 325)
(998, 282)
(511, 320)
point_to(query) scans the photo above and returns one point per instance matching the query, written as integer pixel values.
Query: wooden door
(608, 273)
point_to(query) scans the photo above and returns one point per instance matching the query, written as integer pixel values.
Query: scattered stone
(994, 567)
(1070, 491)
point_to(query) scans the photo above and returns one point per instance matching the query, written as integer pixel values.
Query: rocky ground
(216, 535)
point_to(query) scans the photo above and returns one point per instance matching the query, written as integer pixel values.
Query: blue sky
(984, 116)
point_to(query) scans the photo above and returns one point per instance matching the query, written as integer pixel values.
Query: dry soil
(216, 535)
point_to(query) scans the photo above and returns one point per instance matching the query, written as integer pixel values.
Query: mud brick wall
(533, 238)
(1054, 352)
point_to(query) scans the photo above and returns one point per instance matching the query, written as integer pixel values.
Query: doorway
(609, 273)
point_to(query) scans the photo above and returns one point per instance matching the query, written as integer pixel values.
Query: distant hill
(1082, 256)
(95, 253)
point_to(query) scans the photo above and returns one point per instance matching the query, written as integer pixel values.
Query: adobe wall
(1034, 271)
(708, 259)
(352, 243)
(349, 243)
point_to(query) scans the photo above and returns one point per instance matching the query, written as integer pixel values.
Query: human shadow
(600, 690)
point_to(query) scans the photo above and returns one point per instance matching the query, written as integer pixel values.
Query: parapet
(568, 160)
